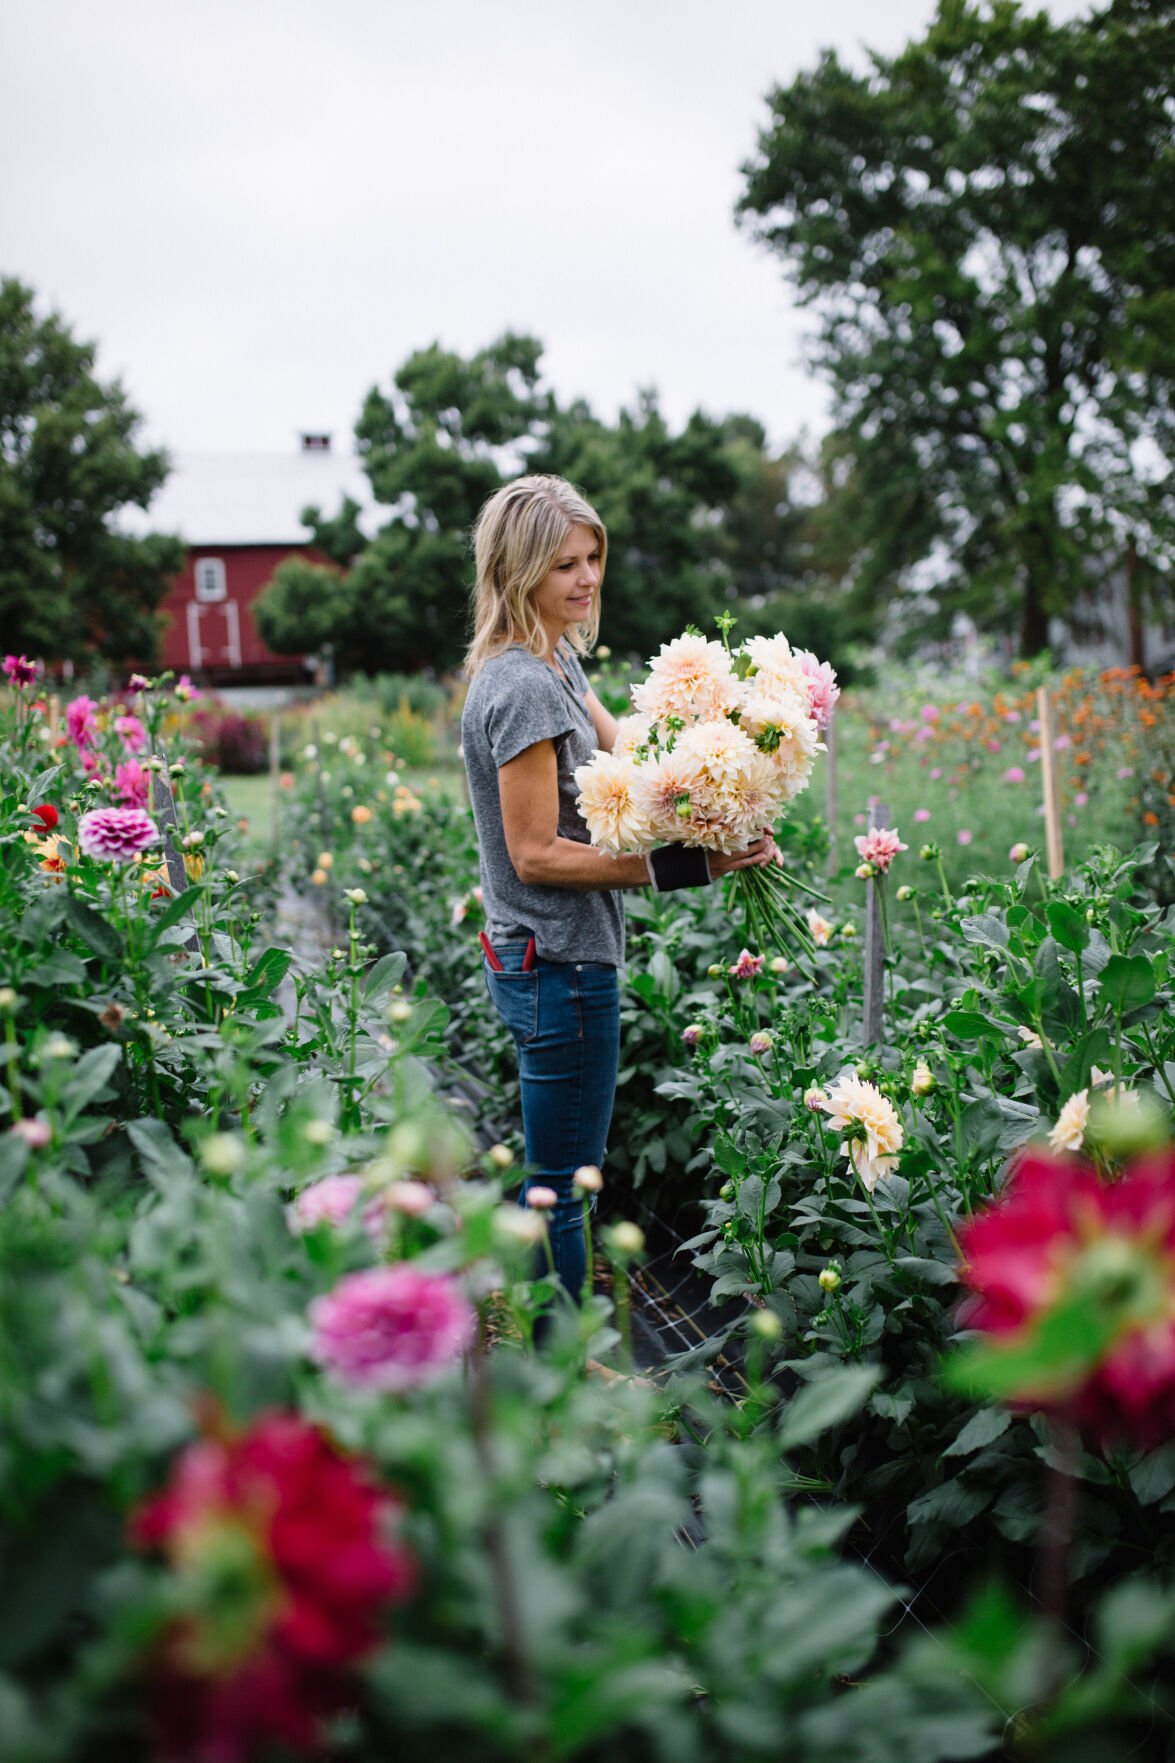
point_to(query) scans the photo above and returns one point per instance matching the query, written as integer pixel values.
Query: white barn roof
(253, 498)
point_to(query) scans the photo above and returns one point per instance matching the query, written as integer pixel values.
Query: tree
(433, 448)
(72, 586)
(681, 509)
(985, 229)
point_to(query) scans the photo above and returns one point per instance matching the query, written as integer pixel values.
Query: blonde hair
(517, 537)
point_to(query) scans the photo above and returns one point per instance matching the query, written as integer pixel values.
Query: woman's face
(566, 595)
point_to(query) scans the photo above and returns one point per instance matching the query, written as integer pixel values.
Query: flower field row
(278, 1474)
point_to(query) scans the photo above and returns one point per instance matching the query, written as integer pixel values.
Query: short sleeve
(525, 709)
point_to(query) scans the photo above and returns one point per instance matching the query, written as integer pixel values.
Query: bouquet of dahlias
(719, 742)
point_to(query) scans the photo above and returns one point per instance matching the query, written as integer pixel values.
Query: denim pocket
(515, 997)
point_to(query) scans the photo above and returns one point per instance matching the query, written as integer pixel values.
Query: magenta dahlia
(1074, 1283)
(392, 1328)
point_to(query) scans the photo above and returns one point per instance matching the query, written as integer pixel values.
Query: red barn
(240, 515)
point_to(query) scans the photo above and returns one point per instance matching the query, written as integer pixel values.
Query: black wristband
(678, 866)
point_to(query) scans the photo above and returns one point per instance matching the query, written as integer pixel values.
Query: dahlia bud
(325, 860)
(922, 1081)
(864, 872)
(761, 1042)
(355, 896)
(399, 1010)
(849, 932)
(588, 1179)
(780, 964)
(692, 1033)
(829, 1279)
(766, 1324)
(1019, 853)
(8, 1001)
(714, 971)
(815, 1098)
(222, 1153)
(928, 853)
(499, 1155)
(511, 1224)
(627, 1238)
(905, 892)
(541, 1199)
(318, 1132)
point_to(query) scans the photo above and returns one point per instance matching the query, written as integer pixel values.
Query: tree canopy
(72, 585)
(984, 229)
(698, 520)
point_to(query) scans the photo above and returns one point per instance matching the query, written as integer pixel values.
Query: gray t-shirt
(514, 701)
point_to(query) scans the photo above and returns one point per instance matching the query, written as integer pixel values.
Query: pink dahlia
(117, 835)
(131, 732)
(1074, 1280)
(281, 1561)
(80, 721)
(820, 681)
(392, 1328)
(20, 670)
(329, 1201)
(132, 785)
(747, 966)
(879, 847)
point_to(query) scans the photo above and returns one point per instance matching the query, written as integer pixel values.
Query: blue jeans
(565, 1020)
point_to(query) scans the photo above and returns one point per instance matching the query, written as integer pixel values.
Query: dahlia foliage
(1074, 1286)
(718, 744)
(281, 1562)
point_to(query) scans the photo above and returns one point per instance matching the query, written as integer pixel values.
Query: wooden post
(1054, 839)
(54, 717)
(830, 781)
(875, 946)
(275, 759)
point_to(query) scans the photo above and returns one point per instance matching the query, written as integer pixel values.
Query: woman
(554, 939)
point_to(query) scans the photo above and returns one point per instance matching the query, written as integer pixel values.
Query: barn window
(210, 579)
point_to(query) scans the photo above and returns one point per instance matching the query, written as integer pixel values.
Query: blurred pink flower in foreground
(392, 1328)
(879, 847)
(1063, 1250)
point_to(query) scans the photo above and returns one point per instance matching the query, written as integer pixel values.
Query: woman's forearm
(565, 863)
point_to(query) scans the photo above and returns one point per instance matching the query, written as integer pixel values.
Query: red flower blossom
(46, 814)
(282, 1562)
(1074, 1281)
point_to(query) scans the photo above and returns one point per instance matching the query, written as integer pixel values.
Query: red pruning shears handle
(528, 960)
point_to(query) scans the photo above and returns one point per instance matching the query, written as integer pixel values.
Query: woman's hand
(756, 856)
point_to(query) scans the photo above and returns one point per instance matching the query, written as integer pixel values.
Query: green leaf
(1154, 1477)
(931, 1273)
(982, 1429)
(178, 908)
(1067, 925)
(969, 1025)
(953, 1503)
(98, 936)
(89, 1078)
(838, 1394)
(268, 971)
(1127, 982)
(387, 972)
(989, 929)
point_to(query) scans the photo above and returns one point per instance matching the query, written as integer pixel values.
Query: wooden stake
(1054, 838)
(830, 781)
(875, 946)
(54, 717)
(274, 785)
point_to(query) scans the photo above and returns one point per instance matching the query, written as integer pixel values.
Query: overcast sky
(259, 208)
